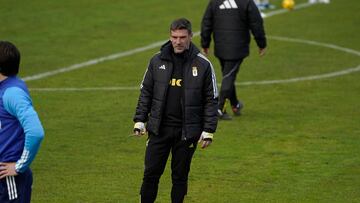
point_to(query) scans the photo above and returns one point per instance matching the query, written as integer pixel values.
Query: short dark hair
(9, 59)
(181, 23)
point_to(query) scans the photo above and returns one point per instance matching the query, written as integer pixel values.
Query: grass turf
(295, 142)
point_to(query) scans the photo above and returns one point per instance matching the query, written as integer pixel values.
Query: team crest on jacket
(194, 71)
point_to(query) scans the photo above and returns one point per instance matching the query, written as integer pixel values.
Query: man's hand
(139, 129)
(262, 51)
(7, 169)
(205, 51)
(205, 139)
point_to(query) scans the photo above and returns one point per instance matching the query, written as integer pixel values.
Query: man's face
(180, 40)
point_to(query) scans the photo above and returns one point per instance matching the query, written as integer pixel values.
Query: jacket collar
(166, 51)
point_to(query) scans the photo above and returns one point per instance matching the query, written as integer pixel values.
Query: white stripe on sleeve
(216, 94)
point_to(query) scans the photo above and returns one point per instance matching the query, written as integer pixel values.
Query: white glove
(139, 128)
(206, 139)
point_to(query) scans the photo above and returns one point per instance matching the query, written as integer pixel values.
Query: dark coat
(231, 25)
(199, 98)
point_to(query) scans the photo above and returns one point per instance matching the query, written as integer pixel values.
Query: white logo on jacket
(228, 4)
(162, 67)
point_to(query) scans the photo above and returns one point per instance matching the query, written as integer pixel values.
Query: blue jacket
(20, 129)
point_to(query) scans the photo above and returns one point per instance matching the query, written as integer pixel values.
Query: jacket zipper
(166, 91)
(182, 100)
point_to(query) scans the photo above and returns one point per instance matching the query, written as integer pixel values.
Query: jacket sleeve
(256, 24)
(145, 98)
(210, 93)
(18, 103)
(207, 27)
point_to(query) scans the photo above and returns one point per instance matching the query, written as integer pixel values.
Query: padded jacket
(199, 92)
(231, 21)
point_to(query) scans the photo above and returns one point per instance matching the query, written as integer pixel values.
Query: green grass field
(297, 141)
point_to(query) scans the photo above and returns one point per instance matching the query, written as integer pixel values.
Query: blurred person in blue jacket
(264, 4)
(21, 131)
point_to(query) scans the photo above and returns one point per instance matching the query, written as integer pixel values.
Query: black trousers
(156, 155)
(16, 189)
(229, 69)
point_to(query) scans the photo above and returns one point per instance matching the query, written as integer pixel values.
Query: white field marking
(130, 52)
(93, 62)
(321, 44)
(265, 82)
(313, 77)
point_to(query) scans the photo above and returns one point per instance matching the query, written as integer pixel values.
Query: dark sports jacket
(199, 97)
(231, 21)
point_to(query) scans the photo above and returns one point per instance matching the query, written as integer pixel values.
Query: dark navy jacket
(230, 22)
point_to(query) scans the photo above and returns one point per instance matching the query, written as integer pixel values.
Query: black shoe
(237, 109)
(223, 115)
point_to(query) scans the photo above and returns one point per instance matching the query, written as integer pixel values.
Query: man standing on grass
(230, 22)
(178, 101)
(20, 130)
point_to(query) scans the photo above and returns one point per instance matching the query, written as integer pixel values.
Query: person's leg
(182, 153)
(236, 104)
(233, 96)
(222, 96)
(25, 181)
(16, 189)
(156, 155)
(228, 90)
(6, 194)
